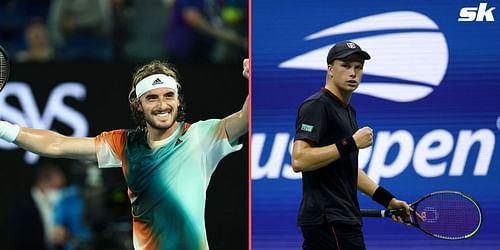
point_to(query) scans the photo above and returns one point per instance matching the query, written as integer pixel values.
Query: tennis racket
(447, 215)
(4, 67)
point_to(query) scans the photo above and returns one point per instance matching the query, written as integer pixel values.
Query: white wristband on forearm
(8, 131)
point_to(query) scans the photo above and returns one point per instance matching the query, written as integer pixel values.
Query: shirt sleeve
(311, 121)
(213, 141)
(110, 148)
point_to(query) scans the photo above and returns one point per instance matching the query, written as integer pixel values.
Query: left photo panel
(124, 124)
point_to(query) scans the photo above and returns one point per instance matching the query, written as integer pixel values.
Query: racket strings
(449, 216)
(4, 64)
(3, 68)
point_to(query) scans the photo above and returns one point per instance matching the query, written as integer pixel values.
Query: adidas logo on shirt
(179, 141)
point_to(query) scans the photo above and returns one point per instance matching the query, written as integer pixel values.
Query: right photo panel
(375, 125)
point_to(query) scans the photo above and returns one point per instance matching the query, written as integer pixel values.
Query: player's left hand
(399, 204)
(245, 68)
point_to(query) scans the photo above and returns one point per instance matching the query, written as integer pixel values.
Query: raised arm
(236, 124)
(48, 143)
(306, 157)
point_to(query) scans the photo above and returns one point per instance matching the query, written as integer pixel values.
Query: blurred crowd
(68, 206)
(126, 30)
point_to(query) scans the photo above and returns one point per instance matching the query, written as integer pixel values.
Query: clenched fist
(245, 68)
(363, 137)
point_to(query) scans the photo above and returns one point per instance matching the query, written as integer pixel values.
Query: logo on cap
(157, 81)
(351, 45)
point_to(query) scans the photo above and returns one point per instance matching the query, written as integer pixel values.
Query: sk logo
(478, 14)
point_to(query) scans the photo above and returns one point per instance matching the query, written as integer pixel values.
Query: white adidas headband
(153, 82)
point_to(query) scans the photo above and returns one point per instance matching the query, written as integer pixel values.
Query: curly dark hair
(154, 67)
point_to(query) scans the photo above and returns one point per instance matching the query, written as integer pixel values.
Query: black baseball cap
(344, 49)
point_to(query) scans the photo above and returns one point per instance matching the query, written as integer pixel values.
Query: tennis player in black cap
(325, 150)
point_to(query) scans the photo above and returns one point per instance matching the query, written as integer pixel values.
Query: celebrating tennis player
(167, 163)
(325, 150)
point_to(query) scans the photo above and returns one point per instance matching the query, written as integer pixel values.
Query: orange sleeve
(114, 140)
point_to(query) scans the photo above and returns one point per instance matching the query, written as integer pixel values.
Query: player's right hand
(363, 137)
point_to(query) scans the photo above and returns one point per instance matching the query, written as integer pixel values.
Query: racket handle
(381, 213)
(373, 213)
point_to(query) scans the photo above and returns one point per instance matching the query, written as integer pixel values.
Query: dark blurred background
(72, 62)
(126, 30)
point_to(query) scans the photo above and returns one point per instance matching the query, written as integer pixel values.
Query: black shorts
(333, 236)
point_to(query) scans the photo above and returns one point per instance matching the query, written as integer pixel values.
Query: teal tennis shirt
(167, 185)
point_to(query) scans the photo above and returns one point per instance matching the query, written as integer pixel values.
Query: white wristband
(8, 131)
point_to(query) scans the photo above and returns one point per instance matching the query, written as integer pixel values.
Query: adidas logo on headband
(153, 82)
(157, 81)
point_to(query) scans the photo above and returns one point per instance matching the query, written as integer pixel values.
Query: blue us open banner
(431, 93)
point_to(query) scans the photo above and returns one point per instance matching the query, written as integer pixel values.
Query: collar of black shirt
(335, 97)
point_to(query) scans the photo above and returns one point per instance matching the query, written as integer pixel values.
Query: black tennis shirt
(329, 193)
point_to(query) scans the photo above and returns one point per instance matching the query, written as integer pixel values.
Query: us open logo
(409, 64)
